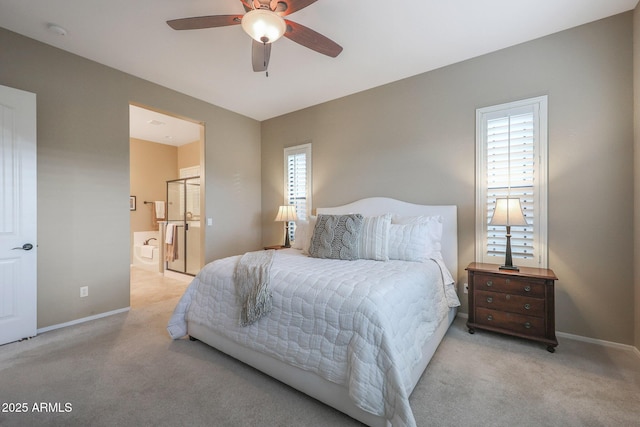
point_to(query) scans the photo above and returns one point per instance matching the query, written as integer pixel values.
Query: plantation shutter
(511, 162)
(298, 182)
(510, 173)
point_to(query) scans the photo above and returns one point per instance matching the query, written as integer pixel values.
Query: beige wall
(152, 165)
(189, 155)
(636, 180)
(415, 140)
(83, 174)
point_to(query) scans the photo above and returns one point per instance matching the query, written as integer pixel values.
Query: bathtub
(142, 257)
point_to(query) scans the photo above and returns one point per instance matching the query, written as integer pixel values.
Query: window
(297, 165)
(511, 161)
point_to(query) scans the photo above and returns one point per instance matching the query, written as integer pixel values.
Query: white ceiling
(383, 41)
(162, 128)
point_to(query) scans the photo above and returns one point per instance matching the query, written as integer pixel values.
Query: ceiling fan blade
(199, 22)
(246, 5)
(287, 7)
(260, 54)
(311, 39)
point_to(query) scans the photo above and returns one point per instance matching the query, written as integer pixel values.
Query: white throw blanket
(361, 324)
(252, 284)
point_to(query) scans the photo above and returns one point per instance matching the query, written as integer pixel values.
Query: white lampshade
(508, 211)
(286, 213)
(263, 25)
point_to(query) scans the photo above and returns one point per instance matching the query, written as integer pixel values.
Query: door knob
(25, 247)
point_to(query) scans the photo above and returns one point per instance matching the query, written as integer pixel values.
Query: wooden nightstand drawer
(512, 285)
(511, 303)
(527, 325)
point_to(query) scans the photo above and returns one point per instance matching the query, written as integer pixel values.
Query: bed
(339, 331)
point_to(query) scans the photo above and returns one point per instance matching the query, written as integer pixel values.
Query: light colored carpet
(125, 371)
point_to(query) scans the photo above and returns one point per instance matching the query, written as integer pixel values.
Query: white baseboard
(599, 342)
(84, 319)
(585, 339)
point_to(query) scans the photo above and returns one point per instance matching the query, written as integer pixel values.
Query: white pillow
(374, 239)
(300, 234)
(303, 234)
(416, 238)
(419, 219)
(408, 242)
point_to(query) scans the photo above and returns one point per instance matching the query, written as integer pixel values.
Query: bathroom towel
(146, 251)
(171, 243)
(168, 238)
(159, 204)
(157, 213)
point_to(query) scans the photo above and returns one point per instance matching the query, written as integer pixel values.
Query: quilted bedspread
(361, 324)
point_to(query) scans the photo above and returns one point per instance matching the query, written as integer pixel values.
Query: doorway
(163, 147)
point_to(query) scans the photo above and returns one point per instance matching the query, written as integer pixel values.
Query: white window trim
(541, 187)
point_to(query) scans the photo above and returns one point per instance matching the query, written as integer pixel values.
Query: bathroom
(165, 191)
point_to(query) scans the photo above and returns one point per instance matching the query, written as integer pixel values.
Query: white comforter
(361, 324)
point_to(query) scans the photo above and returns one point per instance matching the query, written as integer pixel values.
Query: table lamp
(508, 212)
(286, 214)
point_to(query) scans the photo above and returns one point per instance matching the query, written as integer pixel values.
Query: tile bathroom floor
(148, 287)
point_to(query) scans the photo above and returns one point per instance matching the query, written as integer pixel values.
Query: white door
(18, 287)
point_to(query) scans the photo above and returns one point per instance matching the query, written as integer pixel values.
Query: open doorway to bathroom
(165, 150)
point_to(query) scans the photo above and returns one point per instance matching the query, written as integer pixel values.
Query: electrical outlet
(466, 288)
(84, 291)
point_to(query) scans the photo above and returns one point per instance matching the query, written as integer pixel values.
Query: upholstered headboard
(374, 206)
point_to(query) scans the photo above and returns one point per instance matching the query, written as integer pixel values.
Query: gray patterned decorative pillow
(336, 237)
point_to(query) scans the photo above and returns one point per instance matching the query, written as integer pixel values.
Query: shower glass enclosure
(183, 210)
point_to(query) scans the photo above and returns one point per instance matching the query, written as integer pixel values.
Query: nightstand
(275, 247)
(518, 303)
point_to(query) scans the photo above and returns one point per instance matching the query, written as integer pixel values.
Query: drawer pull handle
(489, 317)
(527, 288)
(489, 299)
(527, 306)
(489, 283)
(527, 325)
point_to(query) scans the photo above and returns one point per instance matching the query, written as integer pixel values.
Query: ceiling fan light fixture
(263, 25)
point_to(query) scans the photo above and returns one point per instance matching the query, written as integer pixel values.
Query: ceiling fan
(264, 22)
